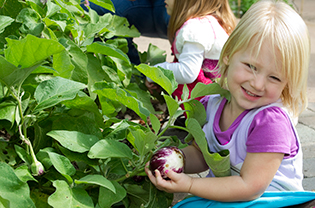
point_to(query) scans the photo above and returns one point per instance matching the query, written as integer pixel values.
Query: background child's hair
(186, 9)
(277, 22)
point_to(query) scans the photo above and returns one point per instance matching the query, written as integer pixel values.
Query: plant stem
(134, 173)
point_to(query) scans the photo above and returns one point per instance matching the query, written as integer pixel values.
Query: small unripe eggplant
(167, 158)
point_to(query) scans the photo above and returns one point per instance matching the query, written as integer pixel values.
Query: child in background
(197, 31)
(264, 65)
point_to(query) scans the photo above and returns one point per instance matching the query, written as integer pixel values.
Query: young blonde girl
(264, 65)
(197, 31)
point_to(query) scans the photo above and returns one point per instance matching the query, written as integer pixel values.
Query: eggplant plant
(65, 77)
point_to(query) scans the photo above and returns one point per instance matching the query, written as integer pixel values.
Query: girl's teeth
(249, 93)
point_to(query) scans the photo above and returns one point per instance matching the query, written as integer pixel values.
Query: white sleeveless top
(290, 173)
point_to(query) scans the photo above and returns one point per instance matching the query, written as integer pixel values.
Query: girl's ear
(226, 60)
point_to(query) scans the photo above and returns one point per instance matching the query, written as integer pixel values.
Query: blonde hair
(184, 10)
(277, 22)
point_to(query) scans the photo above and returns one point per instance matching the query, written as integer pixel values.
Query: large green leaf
(218, 162)
(54, 91)
(30, 50)
(107, 49)
(107, 198)
(64, 196)
(10, 8)
(74, 140)
(164, 78)
(209, 89)
(78, 60)
(11, 75)
(62, 164)
(123, 96)
(12, 189)
(83, 102)
(97, 180)
(108, 148)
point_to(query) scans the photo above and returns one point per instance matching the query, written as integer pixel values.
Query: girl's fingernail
(166, 171)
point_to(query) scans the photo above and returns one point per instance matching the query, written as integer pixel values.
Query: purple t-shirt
(270, 131)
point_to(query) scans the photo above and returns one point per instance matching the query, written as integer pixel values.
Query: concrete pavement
(306, 124)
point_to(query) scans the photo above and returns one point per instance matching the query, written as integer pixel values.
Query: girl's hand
(152, 86)
(179, 182)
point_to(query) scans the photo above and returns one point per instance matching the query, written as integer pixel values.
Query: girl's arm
(257, 172)
(189, 63)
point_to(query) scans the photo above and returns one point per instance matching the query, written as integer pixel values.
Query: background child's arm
(194, 161)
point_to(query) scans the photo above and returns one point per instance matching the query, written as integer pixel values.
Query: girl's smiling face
(169, 4)
(254, 80)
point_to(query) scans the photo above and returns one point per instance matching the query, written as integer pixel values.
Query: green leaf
(53, 91)
(147, 195)
(143, 96)
(124, 97)
(7, 153)
(97, 180)
(13, 189)
(85, 103)
(110, 148)
(172, 105)
(144, 142)
(202, 89)
(119, 131)
(63, 65)
(218, 162)
(107, 4)
(11, 75)
(82, 122)
(62, 164)
(78, 60)
(23, 154)
(30, 50)
(164, 78)
(31, 23)
(64, 196)
(156, 124)
(155, 55)
(74, 140)
(24, 174)
(196, 110)
(107, 49)
(107, 198)
(10, 8)
(7, 111)
(4, 22)
(119, 26)
(40, 198)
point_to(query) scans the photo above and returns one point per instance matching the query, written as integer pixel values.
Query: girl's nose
(258, 82)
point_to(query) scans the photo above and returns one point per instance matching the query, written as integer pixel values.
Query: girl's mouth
(249, 93)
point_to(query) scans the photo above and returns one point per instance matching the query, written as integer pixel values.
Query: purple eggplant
(167, 158)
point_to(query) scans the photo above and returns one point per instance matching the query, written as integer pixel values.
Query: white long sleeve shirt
(196, 40)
